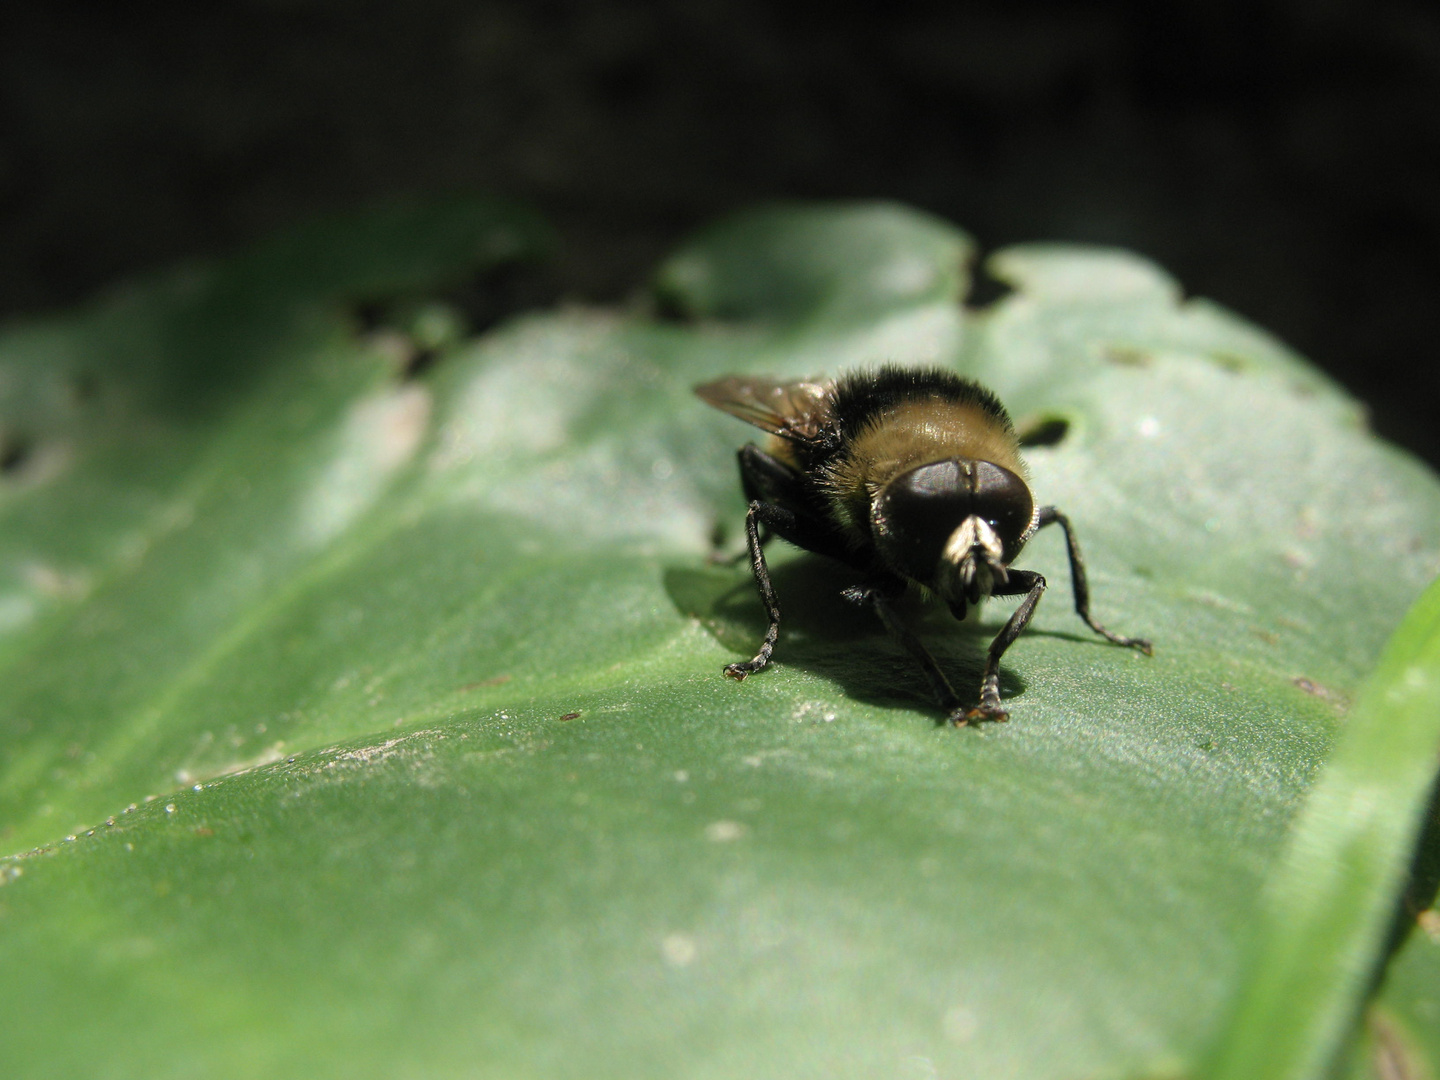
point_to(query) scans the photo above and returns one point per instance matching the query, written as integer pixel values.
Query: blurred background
(1280, 156)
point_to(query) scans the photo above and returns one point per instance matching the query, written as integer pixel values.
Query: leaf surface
(423, 675)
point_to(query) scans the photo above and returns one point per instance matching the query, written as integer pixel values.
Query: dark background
(1276, 155)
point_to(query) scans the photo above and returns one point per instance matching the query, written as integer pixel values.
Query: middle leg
(881, 597)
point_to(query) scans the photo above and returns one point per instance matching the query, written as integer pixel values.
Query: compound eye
(1004, 500)
(918, 510)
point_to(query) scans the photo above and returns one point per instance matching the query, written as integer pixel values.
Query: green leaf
(1401, 1030)
(412, 684)
(1333, 899)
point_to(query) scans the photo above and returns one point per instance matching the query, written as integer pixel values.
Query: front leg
(990, 707)
(1048, 516)
(1033, 586)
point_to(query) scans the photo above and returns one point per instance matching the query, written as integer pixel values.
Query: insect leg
(879, 598)
(764, 479)
(1050, 515)
(761, 514)
(1033, 586)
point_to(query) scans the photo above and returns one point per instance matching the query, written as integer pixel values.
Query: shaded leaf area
(423, 675)
(1401, 1030)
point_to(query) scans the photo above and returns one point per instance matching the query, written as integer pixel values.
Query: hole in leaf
(15, 451)
(418, 362)
(413, 333)
(986, 289)
(1043, 431)
(417, 330)
(369, 315)
(494, 295)
(669, 306)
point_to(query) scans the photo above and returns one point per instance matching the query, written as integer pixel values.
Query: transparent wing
(793, 410)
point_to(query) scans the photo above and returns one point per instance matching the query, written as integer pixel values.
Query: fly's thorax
(909, 435)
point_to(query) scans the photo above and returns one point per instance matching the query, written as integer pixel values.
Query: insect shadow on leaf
(830, 636)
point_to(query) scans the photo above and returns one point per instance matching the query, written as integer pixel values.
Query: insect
(908, 476)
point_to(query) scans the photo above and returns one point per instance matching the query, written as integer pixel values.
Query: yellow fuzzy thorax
(909, 435)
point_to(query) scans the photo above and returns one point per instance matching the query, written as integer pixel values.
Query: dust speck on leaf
(679, 950)
(960, 1024)
(1297, 558)
(57, 583)
(721, 832)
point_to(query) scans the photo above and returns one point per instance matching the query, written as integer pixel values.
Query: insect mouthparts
(971, 564)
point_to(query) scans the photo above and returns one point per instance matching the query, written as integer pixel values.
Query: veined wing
(795, 410)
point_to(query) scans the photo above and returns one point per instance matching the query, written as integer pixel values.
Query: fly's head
(954, 526)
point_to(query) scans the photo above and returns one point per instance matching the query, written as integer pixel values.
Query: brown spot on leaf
(498, 680)
(1393, 1055)
(1127, 355)
(1323, 692)
(1429, 921)
(1234, 363)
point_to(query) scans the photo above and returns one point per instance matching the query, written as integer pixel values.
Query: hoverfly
(908, 476)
